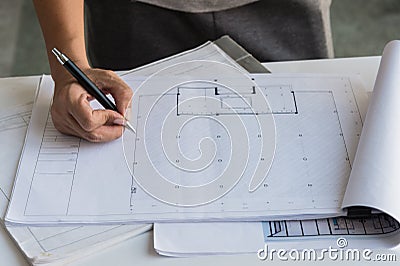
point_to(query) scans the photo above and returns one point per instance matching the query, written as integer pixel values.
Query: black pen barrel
(89, 86)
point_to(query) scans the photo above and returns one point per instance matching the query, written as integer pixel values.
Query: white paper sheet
(44, 244)
(373, 183)
(47, 244)
(194, 239)
(318, 142)
(375, 179)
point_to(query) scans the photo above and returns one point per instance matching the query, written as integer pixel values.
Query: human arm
(62, 23)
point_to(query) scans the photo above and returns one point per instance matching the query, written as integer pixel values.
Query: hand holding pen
(71, 110)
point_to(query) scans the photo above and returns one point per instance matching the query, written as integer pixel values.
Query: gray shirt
(128, 33)
(198, 6)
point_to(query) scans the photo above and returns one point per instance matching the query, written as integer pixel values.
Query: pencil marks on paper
(374, 225)
(210, 147)
(196, 138)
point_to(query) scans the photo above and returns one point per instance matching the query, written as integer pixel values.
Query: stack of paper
(214, 143)
(43, 245)
(288, 157)
(373, 183)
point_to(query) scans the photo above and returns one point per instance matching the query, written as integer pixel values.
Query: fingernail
(119, 121)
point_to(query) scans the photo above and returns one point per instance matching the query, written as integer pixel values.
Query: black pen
(87, 84)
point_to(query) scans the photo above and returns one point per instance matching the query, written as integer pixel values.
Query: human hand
(72, 114)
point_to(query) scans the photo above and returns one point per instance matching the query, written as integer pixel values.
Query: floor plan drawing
(374, 225)
(44, 244)
(211, 144)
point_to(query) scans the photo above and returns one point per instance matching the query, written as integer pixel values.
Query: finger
(89, 119)
(104, 133)
(73, 115)
(62, 121)
(101, 134)
(113, 84)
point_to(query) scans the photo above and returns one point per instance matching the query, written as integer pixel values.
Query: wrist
(61, 75)
(75, 52)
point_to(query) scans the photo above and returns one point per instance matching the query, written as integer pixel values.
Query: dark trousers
(123, 34)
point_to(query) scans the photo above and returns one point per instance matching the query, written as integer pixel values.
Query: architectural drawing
(45, 244)
(374, 225)
(211, 144)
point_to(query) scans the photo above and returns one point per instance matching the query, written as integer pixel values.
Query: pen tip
(129, 126)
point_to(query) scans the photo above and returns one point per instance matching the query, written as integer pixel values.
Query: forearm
(62, 24)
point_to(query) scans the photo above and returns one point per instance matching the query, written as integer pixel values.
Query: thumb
(108, 117)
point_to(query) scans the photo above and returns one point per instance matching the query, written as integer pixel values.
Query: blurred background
(359, 28)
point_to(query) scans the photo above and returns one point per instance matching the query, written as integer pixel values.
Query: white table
(139, 250)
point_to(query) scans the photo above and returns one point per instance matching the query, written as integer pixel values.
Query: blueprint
(377, 231)
(219, 146)
(62, 243)
(373, 183)
(377, 224)
(45, 244)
